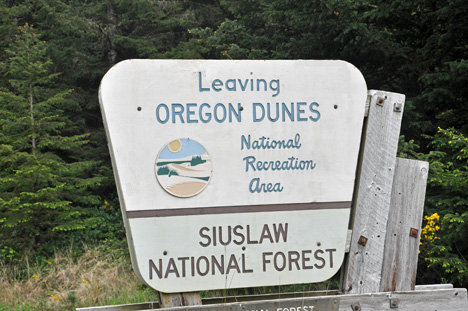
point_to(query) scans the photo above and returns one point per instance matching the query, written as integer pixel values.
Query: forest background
(60, 222)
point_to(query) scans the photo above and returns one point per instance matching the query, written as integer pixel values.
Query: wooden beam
(363, 265)
(433, 287)
(404, 226)
(440, 299)
(179, 299)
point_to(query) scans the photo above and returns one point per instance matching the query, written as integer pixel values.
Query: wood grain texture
(406, 212)
(433, 287)
(179, 299)
(363, 266)
(446, 299)
(440, 300)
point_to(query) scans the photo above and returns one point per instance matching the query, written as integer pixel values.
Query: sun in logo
(175, 145)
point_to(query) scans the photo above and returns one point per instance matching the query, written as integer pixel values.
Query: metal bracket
(414, 232)
(362, 240)
(397, 107)
(381, 101)
(394, 303)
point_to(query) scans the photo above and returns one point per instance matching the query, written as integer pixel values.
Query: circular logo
(183, 167)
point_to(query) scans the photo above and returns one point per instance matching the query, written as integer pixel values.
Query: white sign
(234, 173)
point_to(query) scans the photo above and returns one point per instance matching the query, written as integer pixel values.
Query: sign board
(234, 173)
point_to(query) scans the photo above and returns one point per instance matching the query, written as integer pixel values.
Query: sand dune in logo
(182, 168)
(201, 170)
(186, 189)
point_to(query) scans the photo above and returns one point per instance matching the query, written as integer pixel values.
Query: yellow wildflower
(55, 297)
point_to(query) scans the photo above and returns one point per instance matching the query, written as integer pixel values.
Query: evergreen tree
(43, 188)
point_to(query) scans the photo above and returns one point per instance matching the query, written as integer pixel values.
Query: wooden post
(404, 226)
(363, 266)
(179, 299)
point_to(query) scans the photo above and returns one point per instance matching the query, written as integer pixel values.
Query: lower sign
(234, 173)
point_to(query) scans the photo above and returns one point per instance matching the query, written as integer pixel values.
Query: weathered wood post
(179, 299)
(404, 226)
(388, 206)
(363, 269)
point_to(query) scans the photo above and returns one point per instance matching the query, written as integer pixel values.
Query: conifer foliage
(42, 187)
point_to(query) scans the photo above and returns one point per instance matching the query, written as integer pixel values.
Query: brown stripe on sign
(237, 209)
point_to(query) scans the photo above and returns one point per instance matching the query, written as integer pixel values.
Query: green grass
(100, 276)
